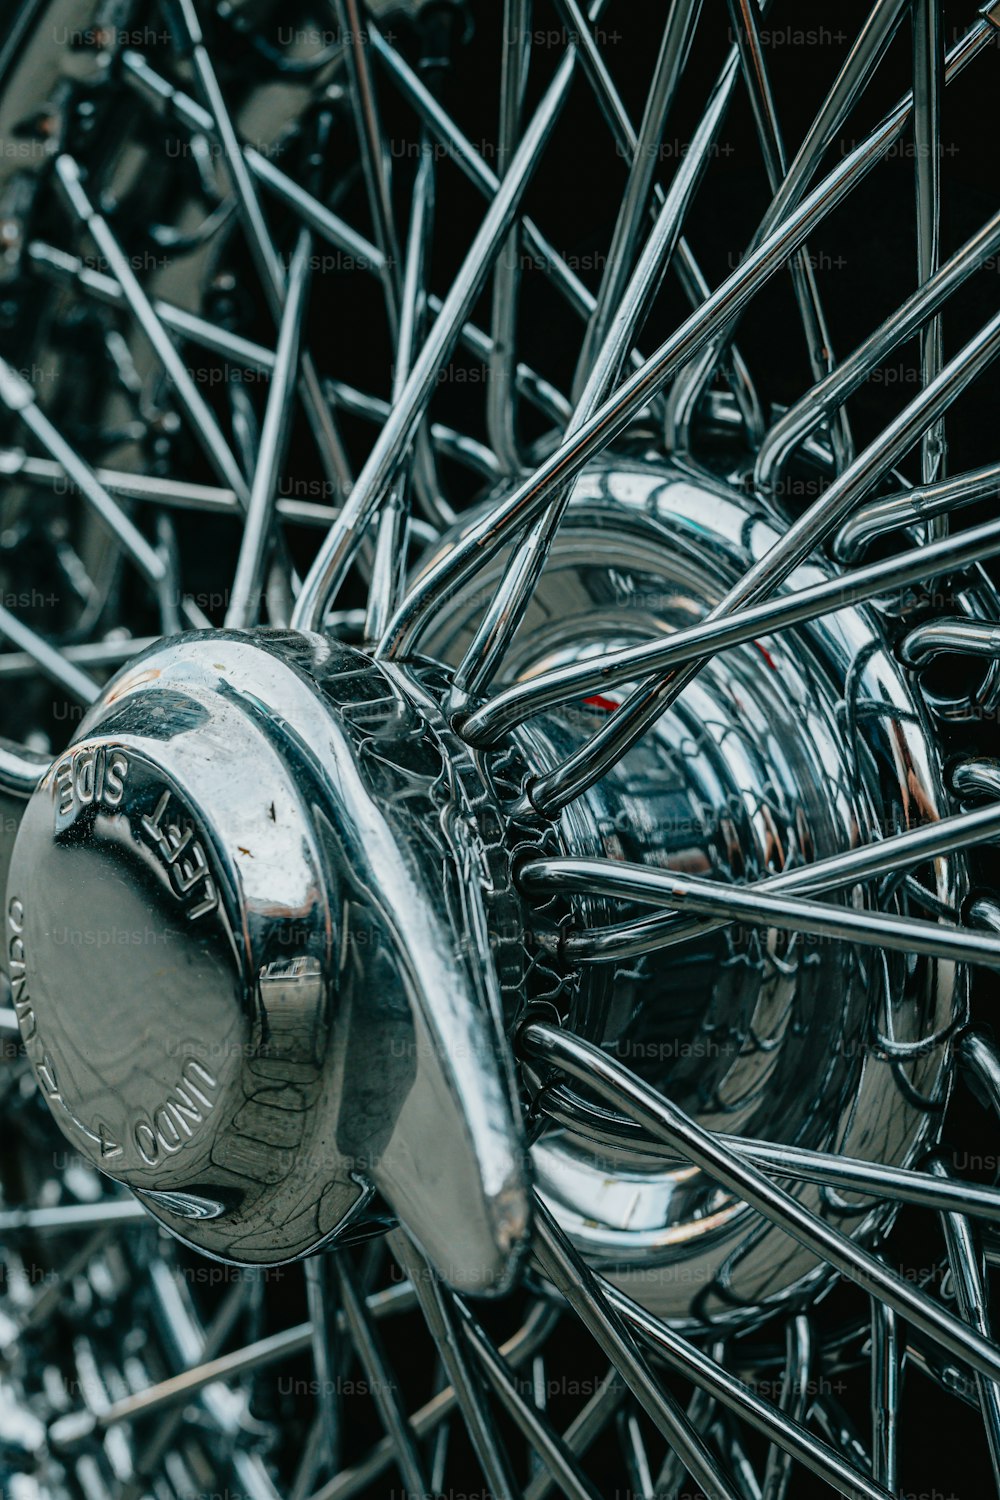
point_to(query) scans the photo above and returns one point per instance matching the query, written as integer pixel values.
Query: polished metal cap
(250, 915)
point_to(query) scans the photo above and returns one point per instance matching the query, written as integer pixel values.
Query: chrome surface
(299, 1021)
(743, 1034)
(499, 805)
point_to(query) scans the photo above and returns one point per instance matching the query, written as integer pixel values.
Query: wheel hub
(782, 752)
(305, 952)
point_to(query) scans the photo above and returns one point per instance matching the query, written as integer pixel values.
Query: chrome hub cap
(283, 872)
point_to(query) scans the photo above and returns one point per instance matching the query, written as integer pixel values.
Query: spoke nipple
(15, 392)
(457, 708)
(72, 1430)
(527, 807)
(70, 181)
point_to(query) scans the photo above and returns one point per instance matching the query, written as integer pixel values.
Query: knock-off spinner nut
(248, 938)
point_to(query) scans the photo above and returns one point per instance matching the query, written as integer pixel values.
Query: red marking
(766, 655)
(598, 702)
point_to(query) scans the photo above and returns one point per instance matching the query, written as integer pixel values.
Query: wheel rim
(493, 708)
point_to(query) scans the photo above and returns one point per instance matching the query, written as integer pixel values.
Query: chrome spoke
(244, 602)
(528, 383)
(678, 33)
(440, 1315)
(55, 666)
(201, 417)
(375, 165)
(971, 1298)
(488, 535)
(802, 418)
(321, 220)
(745, 18)
(386, 584)
(484, 655)
(70, 1218)
(588, 1065)
(910, 507)
(585, 1429)
(752, 906)
(554, 1453)
(374, 160)
(899, 1184)
(562, 1266)
(338, 550)
(385, 1390)
(447, 134)
(855, 73)
(733, 628)
(887, 1377)
(17, 396)
(689, 272)
(72, 1430)
(501, 410)
(928, 77)
(925, 642)
(457, 445)
(428, 1418)
(553, 790)
(339, 932)
(794, 1402)
(191, 42)
(63, 269)
(216, 1334)
(976, 778)
(700, 1410)
(76, 1428)
(322, 1305)
(896, 851)
(193, 116)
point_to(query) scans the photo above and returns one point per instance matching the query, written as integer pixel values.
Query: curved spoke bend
(645, 704)
(486, 537)
(756, 907)
(721, 631)
(588, 1065)
(488, 646)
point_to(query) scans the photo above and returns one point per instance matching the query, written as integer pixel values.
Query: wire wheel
(501, 668)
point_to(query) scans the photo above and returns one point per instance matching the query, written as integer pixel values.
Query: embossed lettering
(166, 1130)
(186, 1106)
(114, 778)
(18, 970)
(183, 855)
(89, 776)
(47, 1077)
(64, 786)
(146, 1142)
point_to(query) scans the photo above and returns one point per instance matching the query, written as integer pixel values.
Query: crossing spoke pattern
(451, 333)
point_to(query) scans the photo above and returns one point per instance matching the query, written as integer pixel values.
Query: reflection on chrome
(499, 794)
